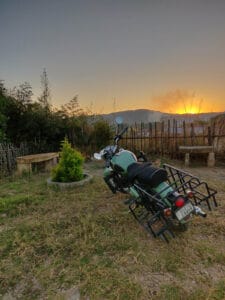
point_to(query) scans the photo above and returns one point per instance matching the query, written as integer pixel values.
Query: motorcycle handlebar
(123, 131)
(119, 136)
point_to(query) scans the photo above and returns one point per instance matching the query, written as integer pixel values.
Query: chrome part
(199, 212)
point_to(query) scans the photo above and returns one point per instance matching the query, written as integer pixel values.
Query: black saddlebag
(144, 173)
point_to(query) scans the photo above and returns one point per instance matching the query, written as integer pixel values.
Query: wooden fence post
(209, 136)
(162, 138)
(192, 134)
(184, 132)
(136, 137)
(155, 137)
(168, 137)
(141, 137)
(176, 137)
(150, 137)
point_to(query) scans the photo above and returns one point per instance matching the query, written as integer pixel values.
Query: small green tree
(70, 166)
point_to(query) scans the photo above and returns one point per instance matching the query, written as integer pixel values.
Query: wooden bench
(24, 163)
(198, 150)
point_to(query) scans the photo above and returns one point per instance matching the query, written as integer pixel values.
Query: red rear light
(189, 193)
(180, 202)
(167, 212)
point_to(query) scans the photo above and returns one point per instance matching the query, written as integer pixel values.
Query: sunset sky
(164, 55)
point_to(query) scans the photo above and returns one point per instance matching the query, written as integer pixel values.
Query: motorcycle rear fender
(162, 191)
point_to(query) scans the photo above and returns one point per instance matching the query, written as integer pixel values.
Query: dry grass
(52, 241)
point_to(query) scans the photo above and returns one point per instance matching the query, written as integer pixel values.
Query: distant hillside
(147, 116)
(138, 115)
(191, 117)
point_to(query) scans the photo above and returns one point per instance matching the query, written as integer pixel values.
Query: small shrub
(70, 166)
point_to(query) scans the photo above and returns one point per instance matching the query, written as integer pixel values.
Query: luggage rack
(181, 181)
(154, 222)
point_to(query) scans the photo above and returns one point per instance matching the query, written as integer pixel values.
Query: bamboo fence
(166, 137)
(161, 138)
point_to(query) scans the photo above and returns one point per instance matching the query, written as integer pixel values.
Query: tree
(102, 133)
(70, 166)
(72, 108)
(24, 93)
(2, 88)
(44, 99)
(3, 118)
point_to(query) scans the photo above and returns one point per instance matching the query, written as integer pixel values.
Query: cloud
(178, 101)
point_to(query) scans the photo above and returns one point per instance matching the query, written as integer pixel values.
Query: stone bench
(198, 150)
(24, 163)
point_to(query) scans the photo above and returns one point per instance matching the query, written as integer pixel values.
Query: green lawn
(85, 239)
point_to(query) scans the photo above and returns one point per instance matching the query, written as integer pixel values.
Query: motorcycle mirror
(97, 156)
(119, 120)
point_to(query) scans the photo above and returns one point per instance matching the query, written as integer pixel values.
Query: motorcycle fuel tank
(123, 159)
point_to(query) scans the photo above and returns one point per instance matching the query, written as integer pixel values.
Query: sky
(166, 55)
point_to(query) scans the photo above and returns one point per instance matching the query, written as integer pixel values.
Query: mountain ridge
(148, 116)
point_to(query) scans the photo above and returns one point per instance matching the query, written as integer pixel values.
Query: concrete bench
(198, 150)
(24, 163)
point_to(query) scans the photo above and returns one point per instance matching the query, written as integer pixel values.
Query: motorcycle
(160, 199)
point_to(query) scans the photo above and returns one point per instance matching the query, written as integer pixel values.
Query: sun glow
(185, 102)
(188, 110)
(189, 106)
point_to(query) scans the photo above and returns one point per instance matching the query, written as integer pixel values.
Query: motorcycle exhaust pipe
(199, 212)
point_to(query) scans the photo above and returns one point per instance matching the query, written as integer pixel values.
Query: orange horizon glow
(196, 109)
(186, 102)
(178, 107)
(190, 110)
(193, 107)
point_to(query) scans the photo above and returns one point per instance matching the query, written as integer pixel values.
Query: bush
(70, 166)
(102, 133)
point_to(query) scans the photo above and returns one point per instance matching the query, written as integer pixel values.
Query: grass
(52, 241)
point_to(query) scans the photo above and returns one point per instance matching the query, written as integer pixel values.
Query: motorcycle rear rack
(182, 181)
(154, 223)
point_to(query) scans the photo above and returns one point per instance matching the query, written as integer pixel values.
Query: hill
(147, 116)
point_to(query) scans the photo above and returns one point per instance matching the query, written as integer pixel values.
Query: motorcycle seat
(146, 174)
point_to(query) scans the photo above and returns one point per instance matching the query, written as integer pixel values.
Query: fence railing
(161, 138)
(8, 154)
(166, 137)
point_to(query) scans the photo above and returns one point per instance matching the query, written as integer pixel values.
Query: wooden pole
(168, 137)
(150, 137)
(136, 137)
(162, 138)
(209, 136)
(184, 133)
(176, 137)
(192, 134)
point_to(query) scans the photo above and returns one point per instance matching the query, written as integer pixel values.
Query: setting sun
(188, 110)
(192, 106)
(185, 102)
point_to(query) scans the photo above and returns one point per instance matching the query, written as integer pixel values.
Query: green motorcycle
(160, 199)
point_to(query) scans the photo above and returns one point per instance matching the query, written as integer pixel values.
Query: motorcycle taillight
(179, 202)
(167, 212)
(189, 193)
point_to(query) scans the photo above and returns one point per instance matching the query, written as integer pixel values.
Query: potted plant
(69, 171)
